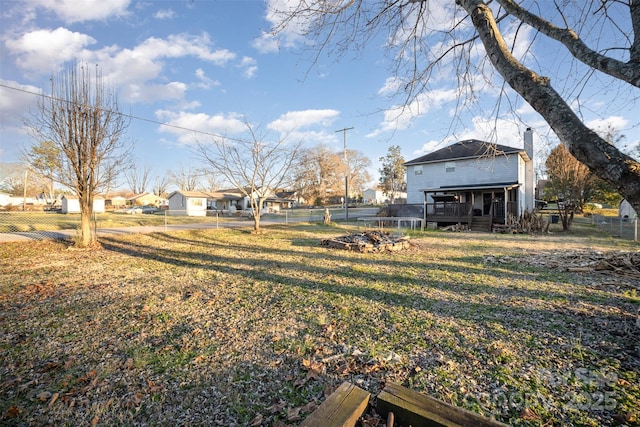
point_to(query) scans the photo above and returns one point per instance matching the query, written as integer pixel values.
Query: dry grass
(223, 327)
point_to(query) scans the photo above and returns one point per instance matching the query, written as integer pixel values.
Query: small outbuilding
(626, 211)
(71, 204)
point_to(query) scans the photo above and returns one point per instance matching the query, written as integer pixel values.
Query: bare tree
(81, 118)
(319, 173)
(161, 186)
(358, 165)
(187, 178)
(138, 178)
(569, 182)
(254, 166)
(475, 33)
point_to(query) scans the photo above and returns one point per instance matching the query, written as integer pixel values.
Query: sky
(209, 65)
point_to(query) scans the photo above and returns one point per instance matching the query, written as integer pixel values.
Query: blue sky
(204, 65)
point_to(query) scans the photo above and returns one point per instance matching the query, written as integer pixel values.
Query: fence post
(165, 220)
(635, 234)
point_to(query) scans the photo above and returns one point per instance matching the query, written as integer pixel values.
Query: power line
(130, 116)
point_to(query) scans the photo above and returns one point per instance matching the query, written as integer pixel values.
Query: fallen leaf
(276, 407)
(44, 396)
(12, 412)
(529, 414)
(309, 407)
(293, 414)
(53, 399)
(256, 421)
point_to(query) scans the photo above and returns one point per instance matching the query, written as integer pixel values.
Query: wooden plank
(418, 410)
(341, 409)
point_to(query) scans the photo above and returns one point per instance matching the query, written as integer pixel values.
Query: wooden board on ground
(416, 409)
(341, 409)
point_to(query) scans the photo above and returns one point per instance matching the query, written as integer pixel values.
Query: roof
(467, 149)
(190, 193)
(450, 188)
(210, 195)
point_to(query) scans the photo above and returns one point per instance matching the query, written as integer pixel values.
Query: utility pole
(346, 174)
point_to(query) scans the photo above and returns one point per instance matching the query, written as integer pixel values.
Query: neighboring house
(290, 199)
(196, 203)
(115, 201)
(625, 210)
(5, 199)
(473, 182)
(71, 204)
(189, 203)
(375, 196)
(145, 199)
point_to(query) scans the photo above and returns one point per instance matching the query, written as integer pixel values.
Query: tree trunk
(602, 158)
(86, 237)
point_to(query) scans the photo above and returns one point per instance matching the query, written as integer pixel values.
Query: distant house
(115, 201)
(71, 204)
(626, 211)
(145, 199)
(473, 182)
(375, 196)
(189, 203)
(5, 199)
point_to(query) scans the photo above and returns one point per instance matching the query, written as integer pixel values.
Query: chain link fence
(625, 228)
(36, 221)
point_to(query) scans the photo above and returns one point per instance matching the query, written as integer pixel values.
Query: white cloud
(16, 104)
(71, 11)
(294, 120)
(130, 69)
(289, 35)
(601, 125)
(179, 45)
(154, 92)
(42, 50)
(193, 127)
(500, 131)
(249, 65)
(205, 82)
(266, 43)
(164, 14)
(400, 117)
(390, 87)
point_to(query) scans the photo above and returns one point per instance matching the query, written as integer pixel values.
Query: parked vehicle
(149, 209)
(133, 210)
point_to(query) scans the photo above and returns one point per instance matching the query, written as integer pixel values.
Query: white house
(71, 204)
(190, 203)
(5, 199)
(473, 181)
(625, 210)
(375, 196)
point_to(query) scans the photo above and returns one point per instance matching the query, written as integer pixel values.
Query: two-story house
(473, 182)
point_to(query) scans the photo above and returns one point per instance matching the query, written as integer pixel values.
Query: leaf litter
(228, 328)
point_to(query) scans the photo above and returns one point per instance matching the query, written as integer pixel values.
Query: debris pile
(621, 263)
(369, 241)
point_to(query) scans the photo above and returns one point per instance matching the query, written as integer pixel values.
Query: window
(417, 170)
(450, 167)
(196, 202)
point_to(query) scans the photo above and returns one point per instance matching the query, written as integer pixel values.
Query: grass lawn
(225, 327)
